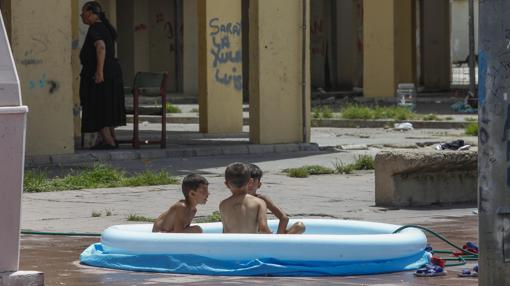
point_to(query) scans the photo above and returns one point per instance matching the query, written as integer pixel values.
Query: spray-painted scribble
(227, 58)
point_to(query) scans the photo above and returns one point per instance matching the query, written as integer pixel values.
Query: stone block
(260, 149)
(209, 151)
(286, 148)
(124, 155)
(409, 178)
(235, 149)
(22, 278)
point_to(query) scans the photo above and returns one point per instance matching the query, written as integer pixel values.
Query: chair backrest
(151, 83)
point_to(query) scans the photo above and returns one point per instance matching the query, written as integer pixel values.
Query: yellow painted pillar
(436, 64)
(42, 51)
(220, 66)
(279, 71)
(389, 53)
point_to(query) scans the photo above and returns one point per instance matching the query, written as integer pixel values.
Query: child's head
(256, 175)
(237, 176)
(196, 188)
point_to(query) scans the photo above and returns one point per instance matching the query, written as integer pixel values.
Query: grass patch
(308, 170)
(342, 168)
(96, 214)
(100, 176)
(431, 117)
(322, 112)
(472, 129)
(470, 119)
(297, 172)
(194, 109)
(214, 217)
(363, 112)
(448, 118)
(140, 218)
(170, 108)
(364, 162)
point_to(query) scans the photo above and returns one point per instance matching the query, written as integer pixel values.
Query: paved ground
(330, 196)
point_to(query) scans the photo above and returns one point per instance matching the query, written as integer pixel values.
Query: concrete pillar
(190, 51)
(320, 41)
(43, 57)
(494, 144)
(76, 65)
(220, 66)
(279, 71)
(435, 45)
(141, 45)
(125, 43)
(349, 39)
(388, 43)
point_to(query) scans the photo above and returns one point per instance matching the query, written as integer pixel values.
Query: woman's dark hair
(96, 9)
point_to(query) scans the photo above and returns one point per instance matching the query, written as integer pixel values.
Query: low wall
(425, 177)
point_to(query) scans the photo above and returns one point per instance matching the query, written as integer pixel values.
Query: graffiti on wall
(42, 83)
(226, 53)
(319, 40)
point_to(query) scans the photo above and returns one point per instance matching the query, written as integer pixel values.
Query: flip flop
(468, 273)
(430, 270)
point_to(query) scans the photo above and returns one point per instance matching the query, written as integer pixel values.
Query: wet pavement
(57, 257)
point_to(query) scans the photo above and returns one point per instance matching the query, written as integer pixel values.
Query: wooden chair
(148, 84)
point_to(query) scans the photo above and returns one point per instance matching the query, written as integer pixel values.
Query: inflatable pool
(328, 247)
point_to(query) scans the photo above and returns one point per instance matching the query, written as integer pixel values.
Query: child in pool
(256, 176)
(179, 216)
(241, 212)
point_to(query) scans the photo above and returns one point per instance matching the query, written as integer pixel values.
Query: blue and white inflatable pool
(328, 247)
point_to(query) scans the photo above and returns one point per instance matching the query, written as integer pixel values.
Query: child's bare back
(243, 214)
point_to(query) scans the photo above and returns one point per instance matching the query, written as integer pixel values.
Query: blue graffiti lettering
(228, 28)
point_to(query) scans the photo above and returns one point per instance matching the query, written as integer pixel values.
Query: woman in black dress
(101, 87)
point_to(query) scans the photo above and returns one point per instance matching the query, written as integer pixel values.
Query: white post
(12, 153)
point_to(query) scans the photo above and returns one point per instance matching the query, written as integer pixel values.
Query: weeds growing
(100, 176)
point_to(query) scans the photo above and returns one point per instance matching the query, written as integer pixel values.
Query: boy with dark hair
(195, 189)
(241, 212)
(256, 176)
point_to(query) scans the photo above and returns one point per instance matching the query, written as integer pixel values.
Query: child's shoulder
(178, 205)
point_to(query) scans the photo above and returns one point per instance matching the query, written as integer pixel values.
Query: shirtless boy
(178, 218)
(256, 176)
(242, 213)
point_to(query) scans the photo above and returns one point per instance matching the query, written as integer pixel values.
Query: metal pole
(472, 62)
(494, 143)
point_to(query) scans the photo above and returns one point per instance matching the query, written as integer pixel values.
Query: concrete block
(22, 278)
(153, 154)
(235, 149)
(209, 151)
(408, 178)
(310, 147)
(286, 148)
(63, 159)
(125, 155)
(100, 156)
(189, 153)
(260, 149)
(35, 161)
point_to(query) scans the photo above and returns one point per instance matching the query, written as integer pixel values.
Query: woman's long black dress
(103, 103)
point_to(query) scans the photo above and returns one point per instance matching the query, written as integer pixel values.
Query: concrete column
(190, 51)
(220, 66)
(125, 43)
(435, 63)
(279, 71)
(494, 144)
(320, 41)
(43, 57)
(388, 46)
(141, 36)
(346, 43)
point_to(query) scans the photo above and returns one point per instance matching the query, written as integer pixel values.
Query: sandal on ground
(469, 273)
(430, 270)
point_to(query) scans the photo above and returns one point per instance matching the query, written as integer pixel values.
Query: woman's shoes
(104, 146)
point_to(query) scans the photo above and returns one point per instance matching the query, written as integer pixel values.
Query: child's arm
(262, 218)
(181, 223)
(277, 212)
